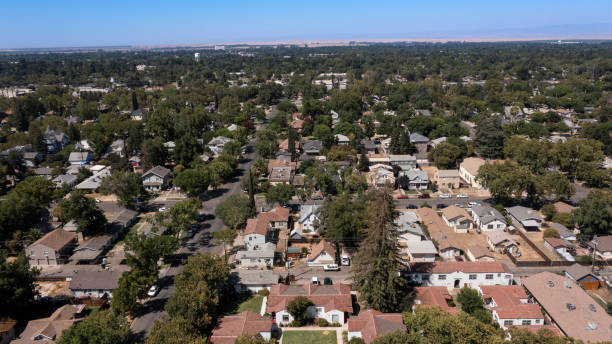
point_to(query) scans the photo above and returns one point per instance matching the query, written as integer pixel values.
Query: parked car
(441, 205)
(459, 205)
(411, 206)
(346, 261)
(424, 196)
(315, 280)
(153, 290)
(445, 196)
(462, 195)
(97, 200)
(331, 267)
(163, 209)
(327, 281)
(471, 204)
(402, 197)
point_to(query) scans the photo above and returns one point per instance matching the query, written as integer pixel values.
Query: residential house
(253, 280)
(563, 231)
(49, 330)
(156, 178)
(32, 159)
(499, 241)
(79, 158)
(421, 251)
(330, 302)
(370, 324)
(7, 330)
(447, 178)
(281, 175)
(422, 159)
(368, 146)
(448, 243)
(261, 258)
(468, 170)
(404, 161)
(408, 227)
(94, 283)
(459, 274)
(419, 141)
(217, 143)
(342, 140)
(45, 172)
(308, 218)
(570, 308)
(123, 219)
(117, 147)
(55, 140)
(322, 253)
(423, 112)
(525, 217)
(52, 249)
(603, 247)
(438, 297)
(284, 145)
(435, 142)
(134, 161)
(92, 182)
(560, 247)
(312, 148)
(90, 251)
(510, 306)
(230, 327)
(417, 179)
(380, 176)
(487, 218)
(264, 227)
(68, 179)
(375, 159)
(297, 124)
(479, 254)
(138, 114)
(583, 276)
(457, 218)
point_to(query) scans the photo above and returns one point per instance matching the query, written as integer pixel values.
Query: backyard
(243, 303)
(319, 337)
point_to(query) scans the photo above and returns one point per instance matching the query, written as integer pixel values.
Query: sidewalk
(316, 328)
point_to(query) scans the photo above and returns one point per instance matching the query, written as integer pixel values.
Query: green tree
(469, 300)
(154, 153)
(280, 193)
(550, 233)
(84, 212)
(234, 211)
(343, 220)
(224, 237)
(126, 185)
(181, 217)
(490, 138)
(250, 339)
(16, 284)
(445, 155)
(397, 337)
(594, 216)
(186, 150)
(548, 211)
(298, 308)
(103, 327)
(194, 181)
(376, 264)
(172, 331)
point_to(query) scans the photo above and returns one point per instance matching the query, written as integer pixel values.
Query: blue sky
(66, 23)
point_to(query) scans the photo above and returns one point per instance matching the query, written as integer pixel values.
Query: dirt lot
(538, 239)
(53, 289)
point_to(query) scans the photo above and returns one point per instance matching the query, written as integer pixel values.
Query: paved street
(153, 308)
(433, 202)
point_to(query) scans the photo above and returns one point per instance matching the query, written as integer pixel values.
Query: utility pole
(594, 249)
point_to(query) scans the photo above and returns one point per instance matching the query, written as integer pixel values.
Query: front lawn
(253, 303)
(300, 337)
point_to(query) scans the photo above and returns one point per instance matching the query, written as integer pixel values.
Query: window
(538, 321)
(32, 253)
(490, 226)
(335, 318)
(526, 322)
(319, 310)
(441, 277)
(489, 276)
(508, 322)
(46, 253)
(285, 318)
(425, 277)
(473, 276)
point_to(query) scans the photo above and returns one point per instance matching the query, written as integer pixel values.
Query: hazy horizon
(64, 23)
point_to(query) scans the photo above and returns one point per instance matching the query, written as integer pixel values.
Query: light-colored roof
(248, 277)
(421, 247)
(266, 253)
(578, 272)
(562, 207)
(78, 156)
(487, 213)
(373, 323)
(342, 138)
(498, 236)
(56, 239)
(95, 280)
(454, 212)
(447, 174)
(418, 138)
(159, 171)
(570, 307)
(471, 165)
(522, 213)
(322, 246)
(479, 252)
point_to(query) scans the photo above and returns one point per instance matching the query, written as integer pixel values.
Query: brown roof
(465, 267)
(586, 320)
(438, 229)
(562, 207)
(555, 242)
(578, 272)
(259, 225)
(272, 163)
(6, 324)
(509, 304)
(297, 124)
(284, 145)
(373, 323)
(230, 327)
(472, 165)
(51, 327)
(337, 296)
(320, 247)
(454, 211)
(480, 252)
(56, 239)
(434, 297)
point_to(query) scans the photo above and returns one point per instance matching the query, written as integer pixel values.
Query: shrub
(548, 211)
(356, 340)
(551, 233)
(264, 292)
(298, 308)
(321, 322)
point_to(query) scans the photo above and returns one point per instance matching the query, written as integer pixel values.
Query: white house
(264, 227)
(468, 170)
(457, 218)
(308, 217)
(487, 218)
(510, 306)
(217, 143)
(342, 140)
(422, 251)
(330, 302)
(79, 158)
(156, 178)
(459, 274)
(417, 179)
(322, 253)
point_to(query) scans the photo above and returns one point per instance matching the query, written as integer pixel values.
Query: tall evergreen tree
(291, 147)
(376, 265)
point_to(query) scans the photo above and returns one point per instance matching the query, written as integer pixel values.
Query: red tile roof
(259, 225)
(508, 300)
(337, 296)
(555, 242)
(434, 297)
(373, 323)
(230, 327)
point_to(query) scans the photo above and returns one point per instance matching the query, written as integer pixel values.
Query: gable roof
(523, 213)
(578, 272)
(454, 212)
(255, 276)
(78, 156)
(55, 239)
(322, 246)
(91, 279)
(259, 225)
(562, 207)
(159, 171)
(306, 210)
(435, 296)
(498, 236)
(471, 165)
(331, 297)
(509, 304)
(555, 242)
(230, 327)
(418, 138)
(487, 214)
(372, 323)
(50, 328)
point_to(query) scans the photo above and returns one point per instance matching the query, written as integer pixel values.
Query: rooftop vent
(550, 284)
(592, 308)
(570, 306)
(592, 326)
(567, 284)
